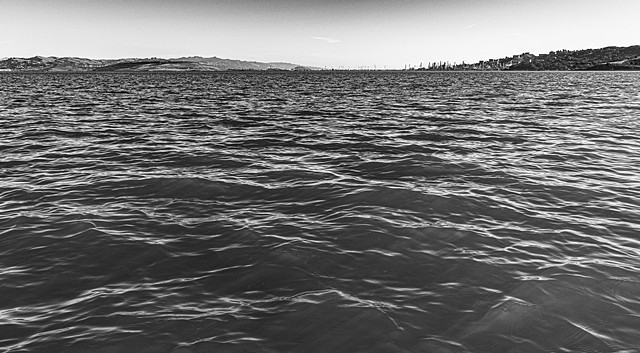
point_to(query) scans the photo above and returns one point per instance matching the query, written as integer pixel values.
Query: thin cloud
(327, 39)
(469, 26)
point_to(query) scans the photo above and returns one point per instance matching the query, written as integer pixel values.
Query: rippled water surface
(320, 212)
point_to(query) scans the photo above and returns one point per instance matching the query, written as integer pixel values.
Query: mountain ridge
(606, 58)
(194, 63)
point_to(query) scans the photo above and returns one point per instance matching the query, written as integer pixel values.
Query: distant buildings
(613, 58)
(634, 61)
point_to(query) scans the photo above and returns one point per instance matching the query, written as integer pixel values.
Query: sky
(322, 33)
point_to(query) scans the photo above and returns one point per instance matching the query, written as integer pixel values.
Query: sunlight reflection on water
(314, 212)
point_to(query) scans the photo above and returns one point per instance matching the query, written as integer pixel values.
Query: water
(320, 212)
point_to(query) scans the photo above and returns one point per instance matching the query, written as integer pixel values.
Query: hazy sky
(332, 33)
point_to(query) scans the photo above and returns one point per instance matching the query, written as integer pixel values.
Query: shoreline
(272, 72)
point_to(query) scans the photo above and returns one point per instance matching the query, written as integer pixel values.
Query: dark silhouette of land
(196, 63)
(609, 58)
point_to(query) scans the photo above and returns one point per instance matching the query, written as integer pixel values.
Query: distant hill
(41, 63)
(68, 64)
(608, 58)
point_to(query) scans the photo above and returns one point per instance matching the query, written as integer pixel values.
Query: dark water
(358, 212)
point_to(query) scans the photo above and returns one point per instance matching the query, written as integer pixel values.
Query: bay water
(320, 212)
